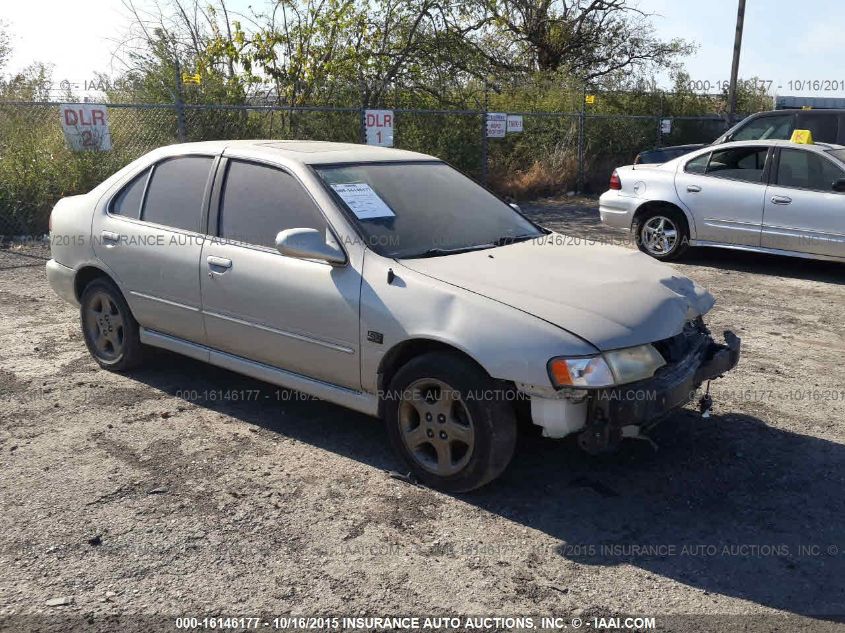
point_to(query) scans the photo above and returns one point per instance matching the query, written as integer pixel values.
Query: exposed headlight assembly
(617, 367)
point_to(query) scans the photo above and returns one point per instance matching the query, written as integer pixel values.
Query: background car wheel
(109, 329)
(662, 232)
(450, 422)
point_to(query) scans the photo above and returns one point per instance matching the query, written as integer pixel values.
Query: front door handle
(693, 188)
(781, 199)
(218, 265)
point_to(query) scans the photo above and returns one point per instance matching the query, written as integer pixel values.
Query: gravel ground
(154, 494)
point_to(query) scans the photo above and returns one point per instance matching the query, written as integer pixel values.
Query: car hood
(611, 296)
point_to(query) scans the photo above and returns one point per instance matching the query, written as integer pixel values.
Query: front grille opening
(676, 348)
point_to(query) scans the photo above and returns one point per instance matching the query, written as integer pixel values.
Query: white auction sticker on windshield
(364, 202)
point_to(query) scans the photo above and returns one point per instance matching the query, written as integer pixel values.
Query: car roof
(810, 111)
(306, 152)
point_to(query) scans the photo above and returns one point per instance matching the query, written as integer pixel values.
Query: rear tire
(450, 422)
(110, 331)
(662, 233)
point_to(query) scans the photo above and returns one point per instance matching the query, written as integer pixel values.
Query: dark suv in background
(827, 126)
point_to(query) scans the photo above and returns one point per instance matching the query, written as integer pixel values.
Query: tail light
(615, 183)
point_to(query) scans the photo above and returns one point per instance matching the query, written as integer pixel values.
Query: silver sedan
(387, 282)
(769, 196)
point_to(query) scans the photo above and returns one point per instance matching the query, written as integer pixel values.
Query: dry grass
(554, 174)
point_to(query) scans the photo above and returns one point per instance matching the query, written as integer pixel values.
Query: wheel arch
(85, 275)
(651, 205)
(404, 351)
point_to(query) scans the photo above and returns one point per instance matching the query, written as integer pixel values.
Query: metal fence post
(660, 122)
(181, 131)
(362, 129)
(484, 139)
(582, 121)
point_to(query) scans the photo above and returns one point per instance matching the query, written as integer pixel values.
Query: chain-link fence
(556, 151)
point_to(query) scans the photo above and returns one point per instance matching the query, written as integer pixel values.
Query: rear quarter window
(127, 202)
(697, 165)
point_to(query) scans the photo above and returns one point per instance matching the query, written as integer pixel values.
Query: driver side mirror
(308, 244)
(839, 185)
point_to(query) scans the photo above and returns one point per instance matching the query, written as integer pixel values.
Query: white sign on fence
(86, 127)
(379, 126)
(514, 123)
(666, 126)
(496, 124)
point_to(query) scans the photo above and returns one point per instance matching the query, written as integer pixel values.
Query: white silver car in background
(387, 282)
(768, 196)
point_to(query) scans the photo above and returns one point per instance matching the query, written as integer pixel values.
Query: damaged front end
(603, 416)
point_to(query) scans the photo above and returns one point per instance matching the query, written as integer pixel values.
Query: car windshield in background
(664, 155)
(765, 128)
(423, 209)
(838, 154)
(652, 157)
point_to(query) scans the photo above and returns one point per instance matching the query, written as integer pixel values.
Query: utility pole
(740, 20)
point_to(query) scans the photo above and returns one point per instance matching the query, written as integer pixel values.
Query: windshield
(769, 127)
(838, 154)
(423, 209)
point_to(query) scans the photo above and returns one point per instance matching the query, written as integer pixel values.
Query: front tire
(110, 331)
(450, 422)
(662, 233)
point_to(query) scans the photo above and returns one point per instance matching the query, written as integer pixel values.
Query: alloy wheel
(436, 426)
(104, 326)
(659, 235)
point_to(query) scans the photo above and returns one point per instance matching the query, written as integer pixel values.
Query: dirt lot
(154, 494)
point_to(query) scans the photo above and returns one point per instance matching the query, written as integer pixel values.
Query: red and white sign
(379, 126)
(86, 127)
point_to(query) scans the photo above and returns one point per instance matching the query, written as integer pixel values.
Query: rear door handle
(218, 265)
(693, 188)
(110, 236)
(781, 199)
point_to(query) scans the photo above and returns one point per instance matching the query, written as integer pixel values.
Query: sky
(780, 45)
(783, 41)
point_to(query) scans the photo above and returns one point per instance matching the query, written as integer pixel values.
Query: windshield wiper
(437, 252)
(512, 239)
(502, 241)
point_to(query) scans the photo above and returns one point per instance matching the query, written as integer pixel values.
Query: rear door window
(259, 201)
(807, 170)
(176, 191)
(775, 127)
(738, 163)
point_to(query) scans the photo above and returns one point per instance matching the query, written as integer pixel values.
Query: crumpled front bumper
(644, 403)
